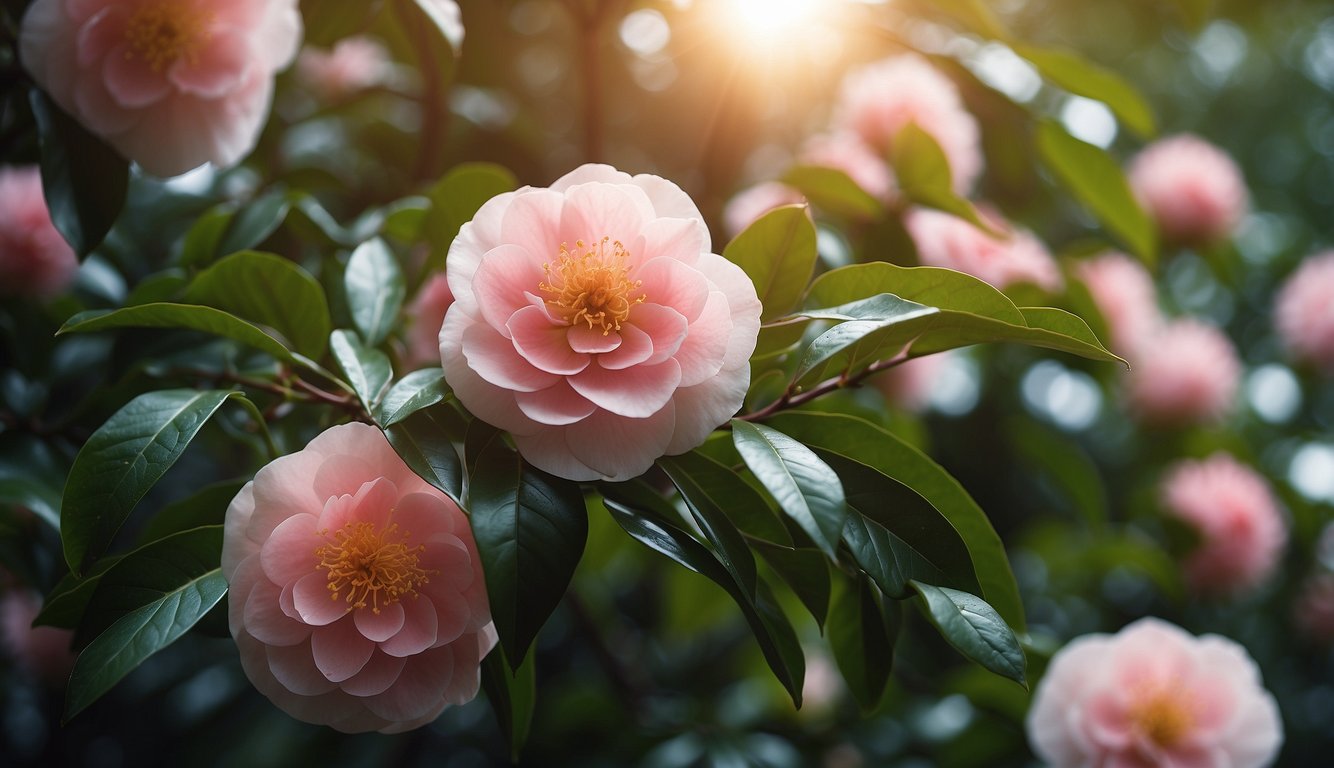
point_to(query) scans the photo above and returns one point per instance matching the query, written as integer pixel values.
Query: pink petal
(375, 678)
(494, 359)
(504, 276)
(340, 650)
(289, 554)
(423, 517)
(474, 239)
(99, 109)
(584, 339)
(486, 401)
(236, 546)
(742, 301)
(98, 36)
(556, 405)
(265, 620)
(594, 211)
(418, 632)
(417, 691)
(294, 667)
(548, 451)
(671, 201)
(705, 347)
(701, 408)
(621, 448)
(372, 503)
(378, 627)
(588, 172)
(664, 325)
(215, 71)
(131, 81)
(454, 617)
(532, 224)
(454, 563)
(315, 603)
(281, 490)
(637, 392)
(670, 283)
(636, 347)
(680, 240)
(543, 343)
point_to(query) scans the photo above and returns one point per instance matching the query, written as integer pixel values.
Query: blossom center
(161, 32)
(1163, 719)
(370, 566)
(591, 284)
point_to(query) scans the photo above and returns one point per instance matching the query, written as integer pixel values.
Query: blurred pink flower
(1191, 188)
(909, 385)
(1153, 695)
(1124, 292)
(848, 153)
(1304, 311)
(748, 205)
(1185, 372)
(592, 321)
(34, 259)
(353, 64)
(425, 316)
(880, 99)
(1314, 608)
(43, 652)
(357, 597)
(1242, 532)
(1015, 257)
(171, 84)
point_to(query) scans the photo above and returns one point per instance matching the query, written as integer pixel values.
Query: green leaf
(803, 485)
(375, 290)
(201, 242)
(65, 604)
(367, 369)
(923, 174)
(930, 286)
(975, 630)
(1195, 12)
(805, 571)
(418, 390)
(423, 443)
(706, 495)
(778, 253)
(174, 587)
(84, 180)
(122, 460)
(255, 222)
(831, 190)
(31, 475)
(1065, 465)
(444, 20)
(328, 21)
(267, 290)
(1082, 77)
(1096, 180)
(513, 695)
(861, 641)
(186, 316)
(723, 491)
(976, 15)
(530, 529)
(207, 506)
(867, 330)
(863, 442)
(456, 198)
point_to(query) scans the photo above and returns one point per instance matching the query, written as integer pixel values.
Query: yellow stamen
(373, 567)
(162, 32)
(591, 285)
(1163, 718)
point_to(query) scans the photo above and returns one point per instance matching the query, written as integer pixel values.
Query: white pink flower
(171, 84)
(1192, 189)
(592, 321)
(1014, 256)
(1304, 311)
(353, 64)
(43, 652)
(881, 99)
(357, 598)
(1125, 295)
(34, 259)
(1153, 695)
(425, 316)
(748, 205)
(1185, 372)
(1242, 532)
(909, 385)
(847, 152)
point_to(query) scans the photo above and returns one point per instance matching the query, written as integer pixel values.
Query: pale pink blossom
(593, 322)
(909, 385)
(1124, 292)
(747, 206)
(356, 592)
(1153, 695)
(881, 99)
(34, 259)
(848, 153)
(171, 84)
(1192, 189)
(1304, 311)
(43, 652)
(1010, 257)
(1185, 372)
(1314, 608)
(353, 64)
(425, 316)
(1241, 530)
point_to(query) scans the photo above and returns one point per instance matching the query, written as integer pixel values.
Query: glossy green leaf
(185, 316)
(456, 198)
(375, 290)
(31, 475)
(975, 629)
(1065, 465)
(867, 330)
(831, 190)
(84, 180)
(207, 506)
(204, 237)
(530, 529)
(418, 390)
(861, 641)
(122, 460)
(923, 173)
(931, 286)
(706, 495)
(778, 253)
(513, 696)
(267, 290)
(255, 222)
(804, 570)
(171, 588)
(719, 487)
(1096, 180)
(423, 443)
(863, 442)
(1082, 77)
(803, 485)
(65, 604)
(367, 369)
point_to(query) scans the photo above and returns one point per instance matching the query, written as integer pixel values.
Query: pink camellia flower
(1314, 608)
(1125, 295)
(592, 321)
(881, 99)
(357, 596)
(1191, 188)
(1153, 695)
(34, 259)
(1241, 530)
(43, 652)
(848, 153)
(425, 316)
(1013, 257)
(748, 205)
(171, 84)
(353, 64)
(1185, 372)
(1304, 311)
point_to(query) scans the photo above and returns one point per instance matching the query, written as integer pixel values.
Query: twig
(791, 398)
(433, 93)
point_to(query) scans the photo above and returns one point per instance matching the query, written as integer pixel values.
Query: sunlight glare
(769, 21)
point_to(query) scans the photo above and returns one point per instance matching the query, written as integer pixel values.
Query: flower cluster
(1192, 189)
(34, 259)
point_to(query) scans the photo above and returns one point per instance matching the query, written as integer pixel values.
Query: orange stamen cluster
(371, 567)
(164, 31)
(1163, 718)
(591, 285)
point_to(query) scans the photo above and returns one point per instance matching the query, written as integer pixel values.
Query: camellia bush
(726, 382)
